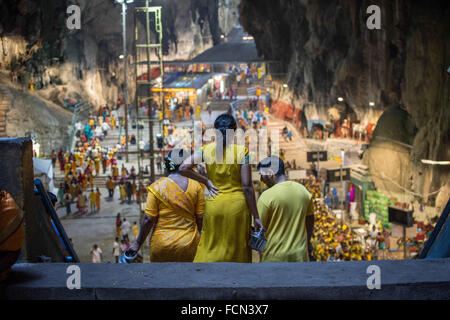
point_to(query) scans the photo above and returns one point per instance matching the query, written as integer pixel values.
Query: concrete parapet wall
(16, 177)
(402, 279)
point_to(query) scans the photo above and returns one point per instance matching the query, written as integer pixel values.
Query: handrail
(76, 110)
(120, 132)
(434, 235)
(52, 213)
(72, 131)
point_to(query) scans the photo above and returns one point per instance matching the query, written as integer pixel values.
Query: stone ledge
(403, 279)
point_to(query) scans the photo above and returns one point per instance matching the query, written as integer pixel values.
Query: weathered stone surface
(407, 279)
(324, 50)
(84, 64)
(16, 178)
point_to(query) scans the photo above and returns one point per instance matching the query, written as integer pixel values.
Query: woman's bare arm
(199, 221)
(249, 192)
(186, 170)
(146, 226)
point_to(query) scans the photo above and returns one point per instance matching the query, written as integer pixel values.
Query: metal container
(258, 241)
(127, 259)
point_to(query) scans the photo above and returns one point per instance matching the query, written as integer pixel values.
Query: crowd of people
(175, 205)
(125, 233)
(246, 75)
(90, 160)
(173, 112)
(334, 240)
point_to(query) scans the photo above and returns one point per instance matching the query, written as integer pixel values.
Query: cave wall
(323, 50)
(85, 63)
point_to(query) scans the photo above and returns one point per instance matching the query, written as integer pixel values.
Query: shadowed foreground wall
(401, 279)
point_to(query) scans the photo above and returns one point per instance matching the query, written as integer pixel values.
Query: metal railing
(76, 111)
(59, 229)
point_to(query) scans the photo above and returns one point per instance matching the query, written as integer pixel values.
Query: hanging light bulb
(340, 99)
(372, 104)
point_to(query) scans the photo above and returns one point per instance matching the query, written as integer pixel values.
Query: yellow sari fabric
(175, 236)
(226, 224)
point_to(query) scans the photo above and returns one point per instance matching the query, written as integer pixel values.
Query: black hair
(174, 160)
(272, 162)
(223, 123)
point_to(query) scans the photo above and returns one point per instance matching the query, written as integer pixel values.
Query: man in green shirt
(287, 212)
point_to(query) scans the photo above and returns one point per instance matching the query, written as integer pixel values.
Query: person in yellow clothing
(231, 203)
(98, 198)
(115, 172)
(73, 190)
(91, 180)
(92, 200)
(81, 159)
(67, 167)
(135, 230)
(97, 166)
(175, 207)
(74, 167)
(287, 212)
(85, 182)
(124, 170)
(90, 162)
(198, 112)
(81, 202)
(77, 157)
(123, 193)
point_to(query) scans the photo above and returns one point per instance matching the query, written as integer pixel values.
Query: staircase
(250, 89)
(220, 105)
(5, 103)
(295, 149)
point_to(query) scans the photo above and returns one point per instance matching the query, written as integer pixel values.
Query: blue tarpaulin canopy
(182, 80)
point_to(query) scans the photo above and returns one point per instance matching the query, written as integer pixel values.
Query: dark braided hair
(223, 123)
(174, 160)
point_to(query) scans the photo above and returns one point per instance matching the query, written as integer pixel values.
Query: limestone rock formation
(84, 64)
(323, 50)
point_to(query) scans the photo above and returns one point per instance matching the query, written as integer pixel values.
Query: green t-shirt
(283, 210)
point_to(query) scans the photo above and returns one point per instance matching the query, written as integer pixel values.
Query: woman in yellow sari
(175, 205)
(232, 204)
